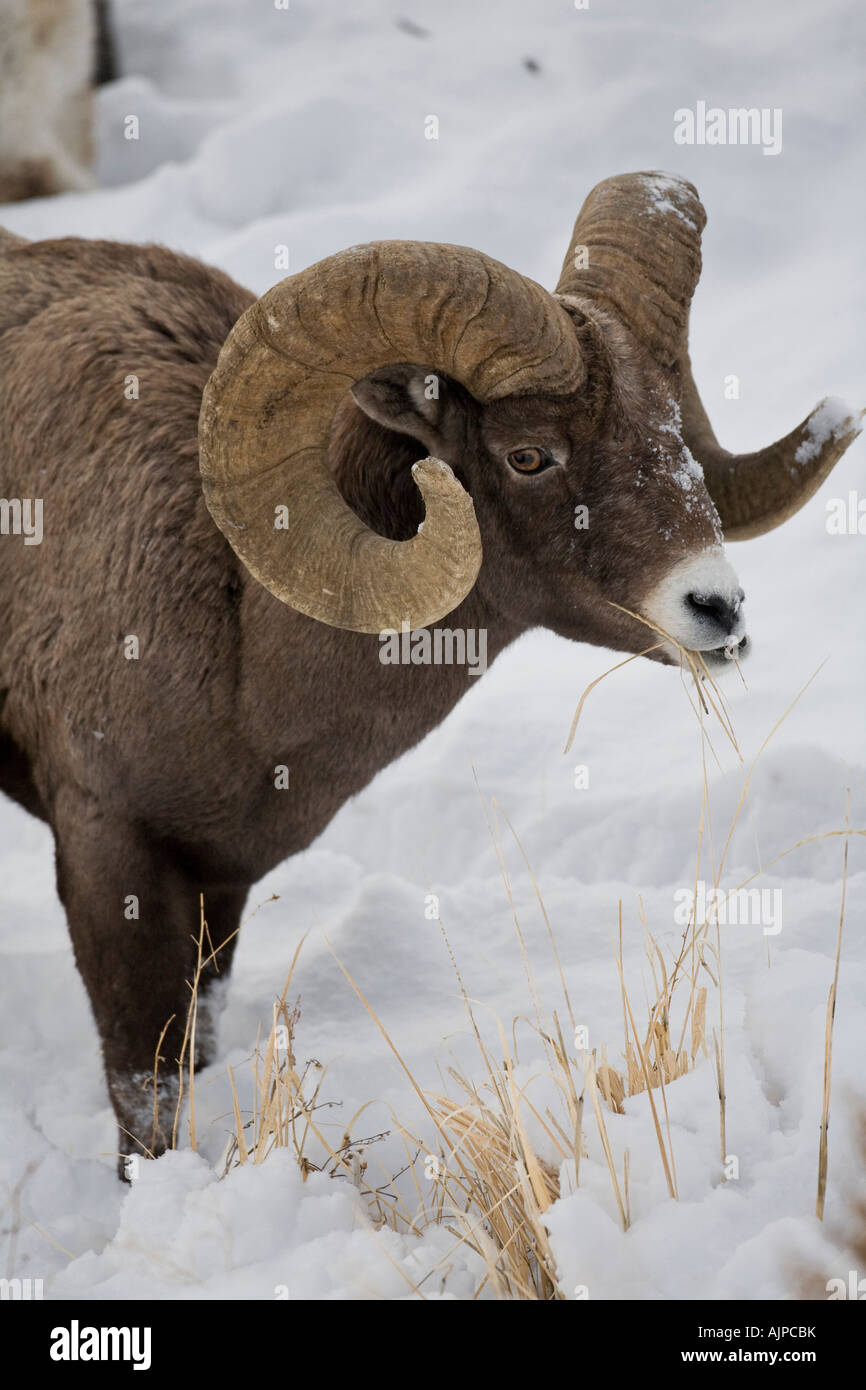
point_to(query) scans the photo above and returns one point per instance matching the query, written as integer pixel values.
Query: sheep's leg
(134, 918)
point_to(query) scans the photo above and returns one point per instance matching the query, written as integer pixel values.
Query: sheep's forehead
(533, 420)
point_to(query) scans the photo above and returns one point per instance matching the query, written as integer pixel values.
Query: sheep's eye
(530, 460)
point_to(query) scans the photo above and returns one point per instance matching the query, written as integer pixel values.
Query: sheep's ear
(413, 400)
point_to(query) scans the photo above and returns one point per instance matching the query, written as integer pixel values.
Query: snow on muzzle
(700, 604)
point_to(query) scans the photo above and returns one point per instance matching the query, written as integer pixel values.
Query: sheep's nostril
(720, 607)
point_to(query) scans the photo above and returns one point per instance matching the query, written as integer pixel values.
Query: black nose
(721, 607)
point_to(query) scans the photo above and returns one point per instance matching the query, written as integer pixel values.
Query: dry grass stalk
(592, 1086)
(719, 1068)
(823, 1155)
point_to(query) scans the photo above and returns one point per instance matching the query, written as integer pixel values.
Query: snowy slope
(261, 128)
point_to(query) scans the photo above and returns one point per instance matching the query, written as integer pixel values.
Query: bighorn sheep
(48, 61)
(169, 647)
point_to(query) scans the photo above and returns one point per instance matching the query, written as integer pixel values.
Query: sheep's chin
(718, 660)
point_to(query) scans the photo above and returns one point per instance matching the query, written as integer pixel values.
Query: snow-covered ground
(305, 128)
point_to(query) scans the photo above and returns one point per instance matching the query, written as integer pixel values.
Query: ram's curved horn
(756, 492)
(285, 366)
(636, 249)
